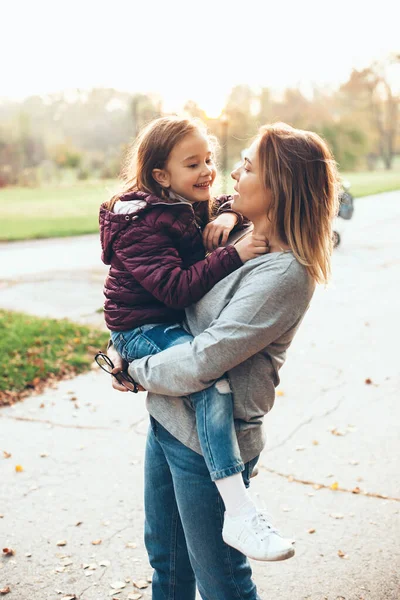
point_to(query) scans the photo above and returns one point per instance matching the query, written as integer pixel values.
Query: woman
(287, 187)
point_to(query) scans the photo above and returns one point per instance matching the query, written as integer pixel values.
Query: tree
(374, 90)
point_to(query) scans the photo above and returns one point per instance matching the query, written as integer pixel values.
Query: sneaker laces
(262, 519)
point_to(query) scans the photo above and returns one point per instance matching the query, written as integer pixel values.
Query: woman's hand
(120, 365)
(217, 232)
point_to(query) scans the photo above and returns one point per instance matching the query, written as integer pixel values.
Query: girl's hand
(252, 246)
(217, 232)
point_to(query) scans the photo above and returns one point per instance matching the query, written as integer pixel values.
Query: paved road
(83, 458)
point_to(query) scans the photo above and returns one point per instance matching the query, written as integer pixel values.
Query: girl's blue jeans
(184, 515)
(213, 406)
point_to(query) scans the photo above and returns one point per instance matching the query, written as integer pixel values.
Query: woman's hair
(299, 169)
(151, 150)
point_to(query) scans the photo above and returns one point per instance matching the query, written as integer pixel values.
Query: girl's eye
(192, 166)
(209, 161)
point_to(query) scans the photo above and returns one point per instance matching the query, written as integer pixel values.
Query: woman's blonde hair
(299, 169)
(151, 150)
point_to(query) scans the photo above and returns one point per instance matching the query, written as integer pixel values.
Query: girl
(287, 187)
(151, 236)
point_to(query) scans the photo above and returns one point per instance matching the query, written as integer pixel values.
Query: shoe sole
(285, 556)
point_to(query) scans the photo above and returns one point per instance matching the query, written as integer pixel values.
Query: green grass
(73, 210)
(27, 213)
(368, 183)
(35, 351)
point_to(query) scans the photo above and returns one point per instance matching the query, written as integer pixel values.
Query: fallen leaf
(356, 490)
(280, 393)
(336, 516)
(43, 455)
(73, 597)
(141, 584)
(131, 545)
(342, 554)
(96, 542)
(67, 562)
(118, 585)
(337, 432)
(315, 442)
(8, 551)
(299, 448)
(354, 462)
(28, 555)
(368, 381)
(19, 468)
(149, 578)
(317, 486)
(78, 523)
(134, 596)
(7, 454)
(62, 543)
(5, 591)
(1, 516)
(42, 405)
(311, 530)
(105, 563)
(334, 486)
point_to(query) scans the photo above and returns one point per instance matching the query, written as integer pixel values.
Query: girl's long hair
(151, 150)
(299, 169)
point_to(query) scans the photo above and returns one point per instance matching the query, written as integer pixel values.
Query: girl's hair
(299, 169)
(151, 150)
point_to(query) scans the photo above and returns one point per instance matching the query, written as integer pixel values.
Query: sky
(189, 50)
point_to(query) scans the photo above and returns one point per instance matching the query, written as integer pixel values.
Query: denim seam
(210, 456)
(172, 583)
(150, 342)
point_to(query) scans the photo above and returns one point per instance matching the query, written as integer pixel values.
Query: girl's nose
(234, 174)
(207, 170)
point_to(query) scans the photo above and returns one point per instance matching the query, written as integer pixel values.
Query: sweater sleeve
(258, 314)
(154, 261)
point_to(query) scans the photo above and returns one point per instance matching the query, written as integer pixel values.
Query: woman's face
(252, 199)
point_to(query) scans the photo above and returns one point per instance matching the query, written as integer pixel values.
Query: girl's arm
(226, 221)
(151, 256)
(265, 306)
(223, 204)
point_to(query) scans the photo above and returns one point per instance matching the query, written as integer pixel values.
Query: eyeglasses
(122, 377)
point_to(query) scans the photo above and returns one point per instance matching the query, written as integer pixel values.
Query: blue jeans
(184, 515)
(213, 406)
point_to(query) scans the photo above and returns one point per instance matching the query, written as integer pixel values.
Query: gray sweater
(243, 327)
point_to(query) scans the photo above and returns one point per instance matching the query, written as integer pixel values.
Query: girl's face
(190, 169)
(252, 199)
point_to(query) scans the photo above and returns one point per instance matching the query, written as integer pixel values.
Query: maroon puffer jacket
(157, 260)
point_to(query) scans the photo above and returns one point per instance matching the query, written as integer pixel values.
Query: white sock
(236, 498)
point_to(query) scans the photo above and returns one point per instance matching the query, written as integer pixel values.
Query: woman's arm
(261, 311)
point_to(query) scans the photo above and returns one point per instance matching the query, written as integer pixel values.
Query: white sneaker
(255, 537)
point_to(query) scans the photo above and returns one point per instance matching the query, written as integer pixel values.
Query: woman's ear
(161, 177)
